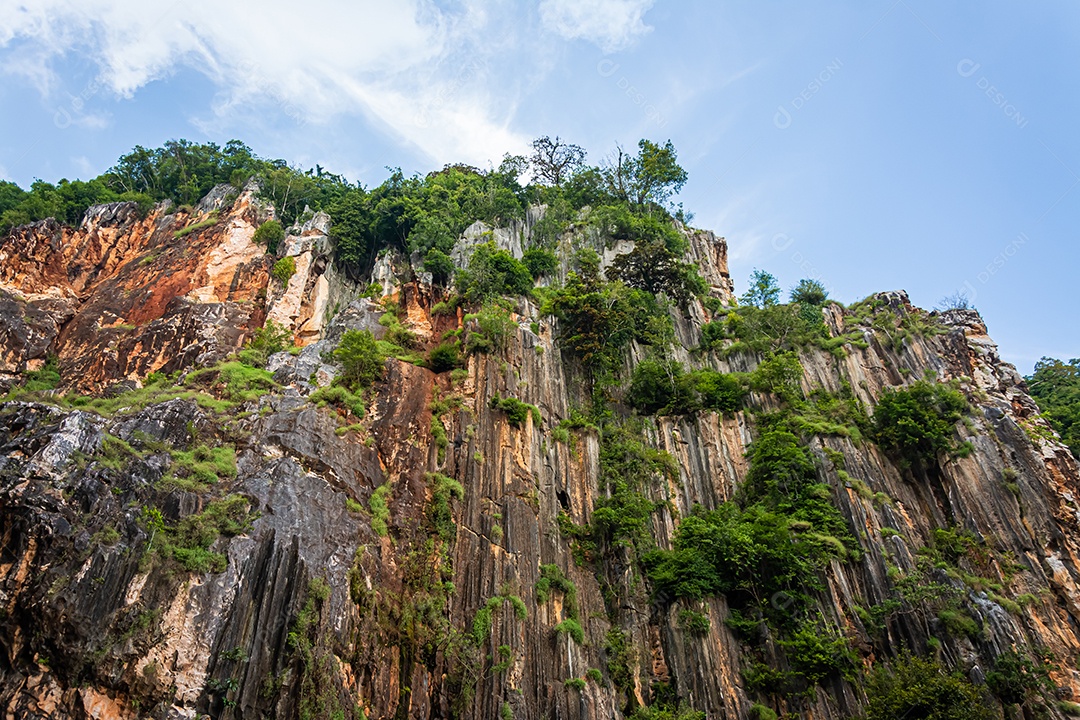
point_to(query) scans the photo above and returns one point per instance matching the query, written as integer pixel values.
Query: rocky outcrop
(389, 565)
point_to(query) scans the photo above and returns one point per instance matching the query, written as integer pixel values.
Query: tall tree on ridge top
(554, 161)
(653, 175)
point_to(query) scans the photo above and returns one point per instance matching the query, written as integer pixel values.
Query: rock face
(389, 568)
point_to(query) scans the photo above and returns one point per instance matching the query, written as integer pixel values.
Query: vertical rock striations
(227, 542)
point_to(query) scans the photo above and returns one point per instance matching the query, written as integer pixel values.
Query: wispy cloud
(418, 71)
(610, 24)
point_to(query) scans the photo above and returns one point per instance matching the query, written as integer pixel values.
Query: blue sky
(875, 145)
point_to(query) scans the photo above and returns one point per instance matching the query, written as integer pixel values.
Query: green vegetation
(809, 292)
(235, 381)
(284, 269)
(439, 513)
(360, 358)
(481, 627)
(270, 233)
(46, 378)
(1015, 679)
(763, 292)
(493, 272)
(189, 542)
(340, 397)
(654, 266)
(218, 389)
(551, 580)
(444, 357)
(663, 388)
(599, 318)
(265, 341)
(915, 687)
(573, 628)
(516, 411)
(620, 517)
(771, 328)
(694, 622)
(66, 201)
(209, 221)
(539, 262)
(917, 423)
(380, 510)
(1055, 385)
(202, 465)
(893, 326)
(489, 328)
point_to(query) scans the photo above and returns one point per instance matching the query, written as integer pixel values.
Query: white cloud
(610, 24)
(416, 70)
(4, 174)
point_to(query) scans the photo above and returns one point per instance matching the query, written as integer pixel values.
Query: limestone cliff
(421, 562)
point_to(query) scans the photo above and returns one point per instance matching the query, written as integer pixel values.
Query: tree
(1055, 385)
(920, 688)
(361, 361)
(916, 423)
(658, 176)
(809, 292)
(554, 161)
(439, 265)
(653, 175)
(270, 233)
(650, 266)
(493, 271)
(764, 290)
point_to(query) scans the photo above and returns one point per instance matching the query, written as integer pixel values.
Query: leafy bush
(490, 328)
(553, 579)
(380, 510)
(361, 361)
(654, 268)
(761, 712)
(539, 262)
(809, 292)
(661, 387)
(778, 374)
(444, 357)
(45, 378)
(493, 272)
(763, 292)
(776, 538)
(264, 342)
(270, 233)
(516, 411)
(439, 513)
(816, 654)
(189, 542)
(439, 265)
(572, 628)
(206, 465)
(236, 381)
(284, 269)
(598, 319)
(916, 687)
(1016, 679)
(341, 397)
(694, 622)
(917, 423)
